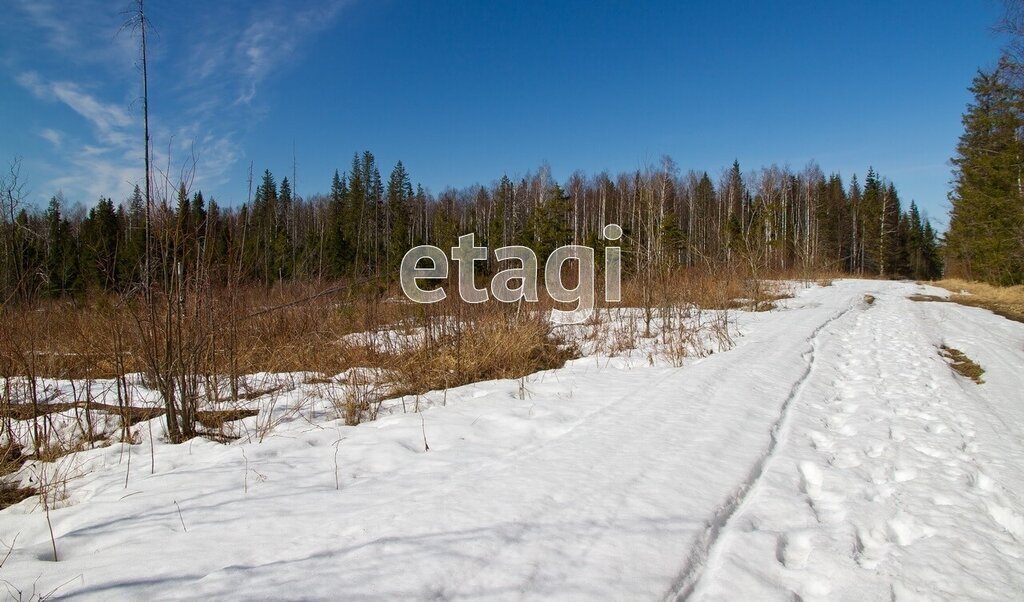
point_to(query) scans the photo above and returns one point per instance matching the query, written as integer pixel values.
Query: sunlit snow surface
(831, 454)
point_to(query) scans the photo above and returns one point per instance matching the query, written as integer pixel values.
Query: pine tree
(283, 245)
(870, 221)
(891, 236)
(399, 200)
(933, 267)
(855, 207)
(100, 235)
(914, 243)
(355, 221)
(61, 259)
(264, 221)
(133, 245)
(338, 251)
(549, 223)
(987, 217)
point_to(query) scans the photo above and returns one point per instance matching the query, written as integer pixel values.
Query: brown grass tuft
(1006, 301)
(490, 345)
(962, 364)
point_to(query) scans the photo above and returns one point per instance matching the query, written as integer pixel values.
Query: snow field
(831, 454)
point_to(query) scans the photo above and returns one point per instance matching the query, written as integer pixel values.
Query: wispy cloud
(109, 163)
(82, 32)
(209, 78)
(109, 120)
(54, 137)
(273, 34)
(46, 15)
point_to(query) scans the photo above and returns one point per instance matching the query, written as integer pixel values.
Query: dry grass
(291, 328)
(489, 345)
(962, 364)
(304, 327)
(700, 288)
(11, 494)
(11, 460)
(1006, 301)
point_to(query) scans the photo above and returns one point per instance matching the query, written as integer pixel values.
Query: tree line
(769, 220)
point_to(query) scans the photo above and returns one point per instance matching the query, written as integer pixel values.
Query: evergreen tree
(399, 200)
(264, 221)
(62, 275)
(871, 224)
(986, 227)
(100, 235)
(356, 219)
(549, 223)
(283, 245)
(891, 236)
(855, 201)
(338, 249)
(133, 245)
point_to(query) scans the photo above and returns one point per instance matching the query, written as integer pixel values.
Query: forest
(772, 220)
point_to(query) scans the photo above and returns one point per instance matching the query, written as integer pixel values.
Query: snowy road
(832, 454)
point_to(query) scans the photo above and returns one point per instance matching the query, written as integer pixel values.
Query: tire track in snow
(688, 581)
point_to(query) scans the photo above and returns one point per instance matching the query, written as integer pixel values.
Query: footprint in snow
(981, 481)
(905, 530)
(931, 453)
(871, 547)
(879, 493)
(837, 424)
(810, 479)
(1007, 519)
(793, 549)
(820, 441)
(874, 450)
(829, 508)
(845, 458)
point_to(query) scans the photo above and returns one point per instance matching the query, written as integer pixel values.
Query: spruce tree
(986, 223)
(399, 199)
(871, 224)
(338, 251)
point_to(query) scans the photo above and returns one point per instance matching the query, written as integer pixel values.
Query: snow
(831, 454)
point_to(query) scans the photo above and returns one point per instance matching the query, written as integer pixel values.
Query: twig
(129, 468)
(152, 449)
(337, 480)
(180, 517)
(10, 549)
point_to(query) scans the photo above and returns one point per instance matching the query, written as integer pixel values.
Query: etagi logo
(524, 275)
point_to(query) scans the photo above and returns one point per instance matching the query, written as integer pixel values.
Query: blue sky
(463, 92)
